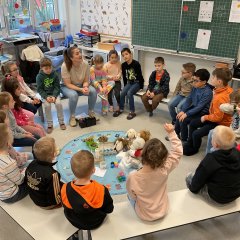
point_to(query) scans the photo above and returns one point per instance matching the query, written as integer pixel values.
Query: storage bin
(106, 46)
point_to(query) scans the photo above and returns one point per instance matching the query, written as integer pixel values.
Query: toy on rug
(145, 134)
(114, 164)
(91, 143)
(121, 176)
(131, 134)
(103, 139)
(121, 144)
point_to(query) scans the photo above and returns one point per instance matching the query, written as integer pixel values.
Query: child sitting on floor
(114, 73)
(147, 187)
(217, 177)
(98, 78)
(22, 158)
(86, 202)
(28, 97)
(12, 186)
(21, 137)
(42, 179)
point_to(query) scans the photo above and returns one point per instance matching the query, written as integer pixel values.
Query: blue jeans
(25, 142)
(22, 193)
(175, 102)
(73, 98)
(129, 90)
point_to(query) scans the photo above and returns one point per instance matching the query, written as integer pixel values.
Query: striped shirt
(10, 177)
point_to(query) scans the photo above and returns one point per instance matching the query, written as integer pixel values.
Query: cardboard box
(106, 46)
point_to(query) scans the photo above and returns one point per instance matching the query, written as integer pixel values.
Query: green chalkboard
(157, 23)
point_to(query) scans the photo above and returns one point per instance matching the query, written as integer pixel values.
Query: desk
(18, 38)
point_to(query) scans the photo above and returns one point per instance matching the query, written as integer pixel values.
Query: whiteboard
(111, 17)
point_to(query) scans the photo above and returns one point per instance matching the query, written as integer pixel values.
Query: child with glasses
(28, 97)
(197, 103)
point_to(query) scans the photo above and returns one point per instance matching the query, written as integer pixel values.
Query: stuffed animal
(131, 134)
(121, 144)
(132, 159)
(145, 134)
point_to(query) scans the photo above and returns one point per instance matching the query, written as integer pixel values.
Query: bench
(185, 208)
(39, 223)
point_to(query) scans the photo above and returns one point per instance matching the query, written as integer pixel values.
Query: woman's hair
(5, 135)
(3, 116)
(4, 99)
(154, 153)
(6, 67)
(98, 59)
(10, 84)
(68, 54)
(235, 96)
(111, 52)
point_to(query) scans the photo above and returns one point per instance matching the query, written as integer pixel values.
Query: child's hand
(168, 127)
(28, 135)
(31, 123)
(53, 99)
(152, 95)
(36, 101)
(148, 93)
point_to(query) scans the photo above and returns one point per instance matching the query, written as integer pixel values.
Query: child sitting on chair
(28, 97)
(114, 73)
(86, 202)
(217, 178)
(42, 179)
(12, 186)
(133, 81)
(158, 87)
(98, 78)
(147, 187)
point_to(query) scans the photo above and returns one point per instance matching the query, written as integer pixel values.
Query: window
(23, 13)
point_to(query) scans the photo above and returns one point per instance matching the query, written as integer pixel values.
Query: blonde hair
(82, 164)
(44, 149)
(4, 99)
(6, 136)
(6, 69)
(224, 137)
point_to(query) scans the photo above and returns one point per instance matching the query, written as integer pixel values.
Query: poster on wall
(235, 12)
(111, 17)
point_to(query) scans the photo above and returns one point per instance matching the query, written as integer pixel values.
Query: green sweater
(48, 85)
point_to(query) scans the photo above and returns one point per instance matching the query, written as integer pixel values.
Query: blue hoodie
(198, 102)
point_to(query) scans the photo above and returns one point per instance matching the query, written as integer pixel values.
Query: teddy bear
(145, 134)
(132, 158)
(131, 134)
(121, 144)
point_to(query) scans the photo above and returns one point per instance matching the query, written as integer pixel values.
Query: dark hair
(190, 67)
(68, 54)
(45, 62)
(203, 74)
(111, 52)
(82, 164)
(223, 74)
(159, 60)
(10, 84)
(154, 153)
(235, 96)
(3, 116)
(126, 50)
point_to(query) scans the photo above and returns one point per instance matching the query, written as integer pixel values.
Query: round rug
(111, 177)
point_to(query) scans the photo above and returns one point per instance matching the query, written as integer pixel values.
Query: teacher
(75, 75)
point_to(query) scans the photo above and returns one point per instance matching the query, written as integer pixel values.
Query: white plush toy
(131, 134)
(132, 159)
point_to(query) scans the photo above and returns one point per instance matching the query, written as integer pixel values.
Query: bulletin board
(110, 17)
(174, 25)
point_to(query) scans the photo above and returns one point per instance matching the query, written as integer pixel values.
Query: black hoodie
(220, 171)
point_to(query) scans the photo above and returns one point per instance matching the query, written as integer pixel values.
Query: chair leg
(40, 113)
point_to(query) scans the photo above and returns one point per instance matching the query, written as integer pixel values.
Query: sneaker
(131, 115)
(104, 113)
(150, 114)
(73, 122)
(110, 109)
(49, 129)
(102, 96)
(92, 115)
(63, 126)
(117, 113)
